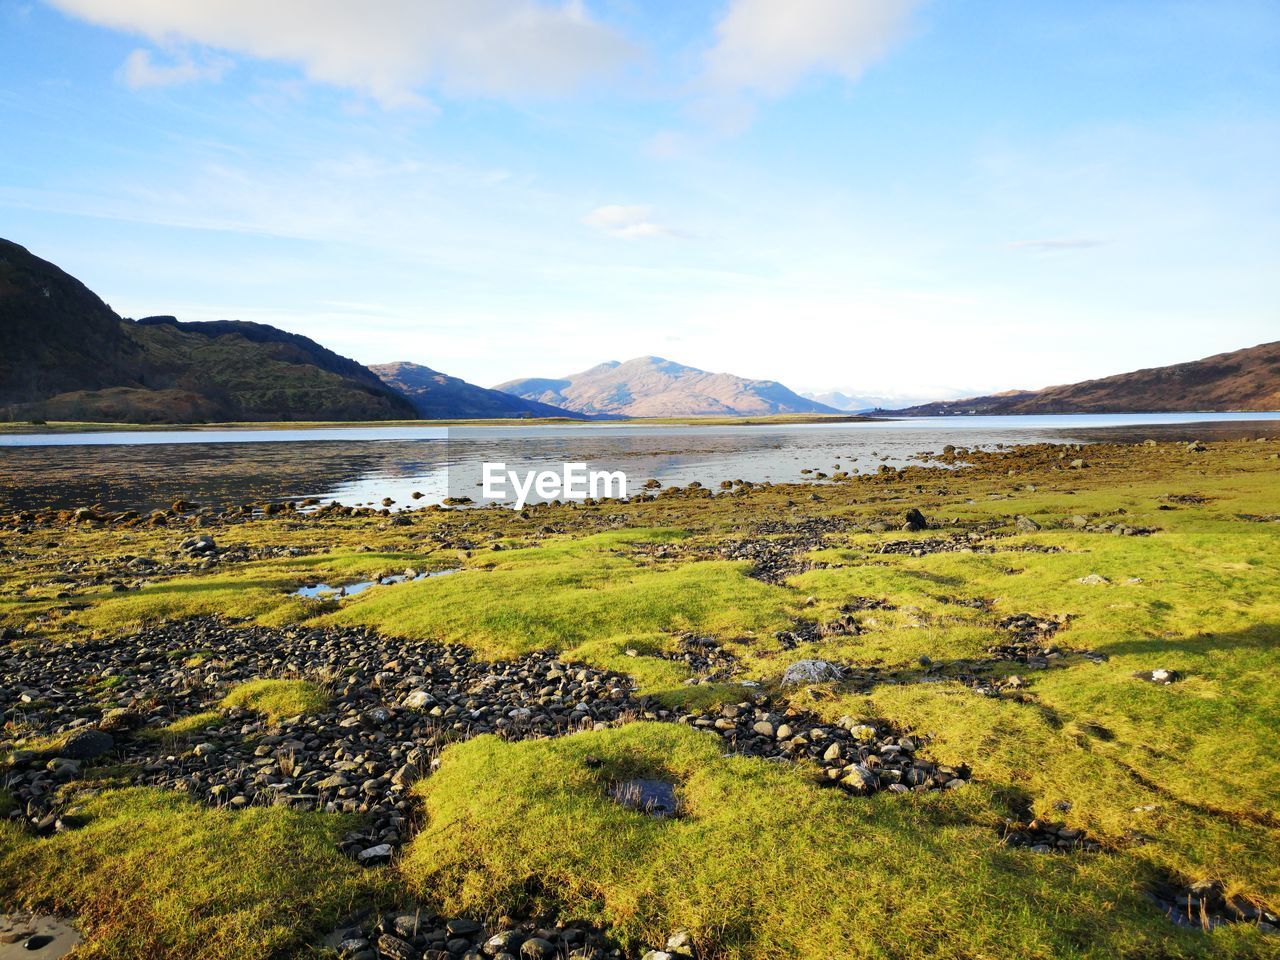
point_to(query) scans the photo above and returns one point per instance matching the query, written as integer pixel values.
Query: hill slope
(1246, 379)
(65, 354)
(438, 396)
(654, 387)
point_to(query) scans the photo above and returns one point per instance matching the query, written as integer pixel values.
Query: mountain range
(1241, 380)
(654, 387)
(66, 355)
(438, 396)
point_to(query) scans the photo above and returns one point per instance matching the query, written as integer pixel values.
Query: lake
(144, 469)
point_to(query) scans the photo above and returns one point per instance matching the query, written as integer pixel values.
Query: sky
(895, 198)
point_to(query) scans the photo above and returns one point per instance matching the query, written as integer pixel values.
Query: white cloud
(627, 220)
(768, 46)
(140, 70)
(388, 49)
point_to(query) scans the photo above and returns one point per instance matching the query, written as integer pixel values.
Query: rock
(1094, 580)
(418, 699)
(87, 744)
(658, 955)
(1026, 524)
(680, 944)
(915, 520)
(118, 719)
(199, 545)
(392, 946)
(372, 856)
(535, 948)
(810, 671)
(508, 941)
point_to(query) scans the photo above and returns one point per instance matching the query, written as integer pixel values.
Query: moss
(154, 875)
(764, 863)
(185, 727)
(574, 592)
(277, 699)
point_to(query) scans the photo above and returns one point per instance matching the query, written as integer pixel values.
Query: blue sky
(890, 197)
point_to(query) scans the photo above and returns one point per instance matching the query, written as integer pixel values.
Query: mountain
(66, 355)
(438, 396)
(654, 387)
(865, 403)
(1246, 379)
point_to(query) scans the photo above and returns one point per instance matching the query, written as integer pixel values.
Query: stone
(392, 946)
(915, 520)
(371, 856)
(87, 744)
(508, 941)
(1026, 524)
(535, 948)
(810, 671)
(1094, 580)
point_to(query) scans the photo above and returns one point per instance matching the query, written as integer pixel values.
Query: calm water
(362, 465)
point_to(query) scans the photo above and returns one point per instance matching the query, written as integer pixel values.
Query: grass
(1180, 780)
(154, 875)
(568, 593)
(262, 590)
(276, 699)
(764, 863)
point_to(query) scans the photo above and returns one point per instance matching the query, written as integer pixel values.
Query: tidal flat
(1019, 702)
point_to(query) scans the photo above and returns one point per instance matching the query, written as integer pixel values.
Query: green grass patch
(277, 699)
(154, 875)
(764, 863)
(573, 592)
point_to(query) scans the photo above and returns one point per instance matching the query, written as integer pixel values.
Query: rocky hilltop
(654, 387)
(66, 355)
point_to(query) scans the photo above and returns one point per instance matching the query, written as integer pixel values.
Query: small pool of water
(654, 797)
(36, 935)
(322, 591)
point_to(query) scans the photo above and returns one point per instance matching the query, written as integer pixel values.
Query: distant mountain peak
(653, 386)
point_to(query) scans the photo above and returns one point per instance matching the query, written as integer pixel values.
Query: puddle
(322, 591)
(35, 935)
(654, 797)
(1203, 906)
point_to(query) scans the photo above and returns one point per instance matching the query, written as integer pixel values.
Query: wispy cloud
(1057, 245)
(630, 221)
(140, 70)
(388, 49)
